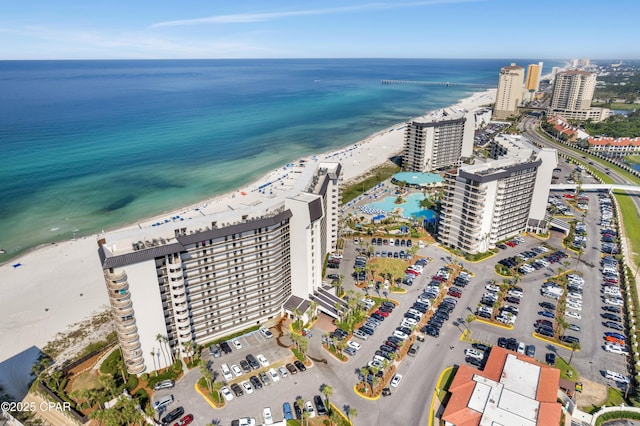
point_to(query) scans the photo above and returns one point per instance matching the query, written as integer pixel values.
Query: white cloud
(242, 18)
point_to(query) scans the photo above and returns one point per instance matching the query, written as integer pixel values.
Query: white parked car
(492, 288)
(396, 380)
(236, 370)
(266, 333)
(262, 360)
(575, 306)
(617, 377)
(308, 406)
(237, 343)
(266, 414)
(409, 321)
(274, 375)
(354, 345)
(226, 393)
(616, 349)
(283, 372)
(247, 387)
(473, 353)
(226, 372)
(400, 335)
(572, 314)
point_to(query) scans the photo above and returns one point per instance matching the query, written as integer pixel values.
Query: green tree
(155, 366)
(206, 373)
(327, 391)
(351, 412)
(574, 347)
(160, 340)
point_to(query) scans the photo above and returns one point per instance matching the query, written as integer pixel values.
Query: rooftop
(512, 390)
(262, 200)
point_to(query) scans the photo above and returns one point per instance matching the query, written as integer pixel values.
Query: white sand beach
(61, 284)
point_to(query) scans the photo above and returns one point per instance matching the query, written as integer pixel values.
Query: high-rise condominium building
(534, 72)
(221, 267)
(572, 96)
(509, 94)
(489, 202)
(439, 139)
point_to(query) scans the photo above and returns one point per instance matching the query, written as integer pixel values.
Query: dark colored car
(298, 410)
(474, 361)
(432, 331)
(543, 331)
(377, 316)
(322, 411)
(512, 299)
(255, 382)
(225, 347)
(291, 368)
(548, 305)
(245, 366)
(237, 390)
(386, 392)
(173, 415)
(550, 358)
(512, 344)
(481, 346)
(569, 339)
(299, 365)
(253, 362)
(613, 325)
(387, 348)
(502, 342)
(614, 309)
(612, 317)
(388, 304)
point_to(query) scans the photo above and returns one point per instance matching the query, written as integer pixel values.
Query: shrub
(132, 382)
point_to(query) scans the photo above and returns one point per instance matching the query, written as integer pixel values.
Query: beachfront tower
(439, 139)
(532, 84)
(509, 94)
(572, 95)
(488, 202)
(224, 266)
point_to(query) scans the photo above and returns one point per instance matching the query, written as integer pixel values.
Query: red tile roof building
(512, 390)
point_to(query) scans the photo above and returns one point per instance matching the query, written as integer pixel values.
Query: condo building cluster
(217, 269)
(571, 95)
(253, 257)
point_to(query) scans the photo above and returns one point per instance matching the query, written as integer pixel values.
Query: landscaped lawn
(566, 371)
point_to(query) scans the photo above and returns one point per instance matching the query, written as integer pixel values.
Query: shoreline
(61, 283)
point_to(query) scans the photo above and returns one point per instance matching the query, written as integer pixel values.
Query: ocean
(90, 145)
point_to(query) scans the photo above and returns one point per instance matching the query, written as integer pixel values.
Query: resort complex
(219, 268)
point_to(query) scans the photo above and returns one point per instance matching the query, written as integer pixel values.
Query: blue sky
(145, 29)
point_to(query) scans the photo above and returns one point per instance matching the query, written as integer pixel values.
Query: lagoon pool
(411, 206)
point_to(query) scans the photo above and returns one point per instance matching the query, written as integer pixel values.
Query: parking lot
(409, 401)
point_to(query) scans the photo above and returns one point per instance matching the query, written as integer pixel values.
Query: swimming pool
(411, 206)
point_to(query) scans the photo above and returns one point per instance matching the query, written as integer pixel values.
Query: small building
(512, 390)
(615, 147)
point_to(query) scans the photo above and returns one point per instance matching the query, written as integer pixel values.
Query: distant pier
(434, 83)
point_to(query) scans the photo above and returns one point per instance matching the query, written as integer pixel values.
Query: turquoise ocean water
(90, 145)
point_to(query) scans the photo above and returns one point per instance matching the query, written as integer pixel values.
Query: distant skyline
(144, 29)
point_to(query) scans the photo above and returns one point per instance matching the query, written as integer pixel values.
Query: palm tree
(313, 307)
(153, 355)
(297, 314)
(364, 373)
(469, 319)
(188, 349)
(327, 391)
(351, 412)
(300, 404)
(160, 340)
(574, 347)
(109, 384)
(206, 373)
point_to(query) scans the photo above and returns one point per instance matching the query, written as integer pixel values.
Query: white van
(226, 372)
(162, 402)
(609, 270)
